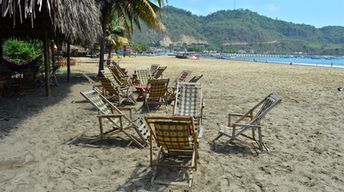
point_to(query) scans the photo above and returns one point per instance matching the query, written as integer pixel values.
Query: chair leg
(133, 139)
(218, 137)
(260, 139)
(101, 129)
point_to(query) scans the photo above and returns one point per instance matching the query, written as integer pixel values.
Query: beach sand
(45, 142)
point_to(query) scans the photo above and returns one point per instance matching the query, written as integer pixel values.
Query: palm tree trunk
(68, 62)
(109, 54)
(46, 63)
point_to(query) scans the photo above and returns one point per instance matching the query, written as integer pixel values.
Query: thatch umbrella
(72, 21)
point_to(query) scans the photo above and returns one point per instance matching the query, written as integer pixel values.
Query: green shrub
(19, 52)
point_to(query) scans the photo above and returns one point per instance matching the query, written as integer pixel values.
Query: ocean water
(321, 61)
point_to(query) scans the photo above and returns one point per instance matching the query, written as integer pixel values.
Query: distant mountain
(235, 30)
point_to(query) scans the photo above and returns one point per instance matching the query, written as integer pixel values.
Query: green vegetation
(139, 47)
(19, 52)
(231, 31)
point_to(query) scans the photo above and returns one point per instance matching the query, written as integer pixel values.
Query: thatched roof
(68, 20)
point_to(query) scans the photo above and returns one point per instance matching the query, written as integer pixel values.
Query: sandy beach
(45, 142)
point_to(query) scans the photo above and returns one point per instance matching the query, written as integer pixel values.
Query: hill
(234, 30)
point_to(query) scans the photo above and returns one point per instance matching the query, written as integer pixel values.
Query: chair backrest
(157, 88)
(188, 99)
(153, 69)
(97, 100)
(173, 132)
(183, 75)
(143, 76)
(118, 75)
(260, 110)
(158, 72)
(109, 86)
(194, 79)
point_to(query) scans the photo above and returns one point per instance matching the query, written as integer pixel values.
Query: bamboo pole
(46, 63)
(1, 51)
(68, 62)
(101, 56)
(52, 54)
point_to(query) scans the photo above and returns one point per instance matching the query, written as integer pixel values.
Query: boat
(182, 56)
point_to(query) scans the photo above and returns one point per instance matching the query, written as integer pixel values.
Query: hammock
(21, 67)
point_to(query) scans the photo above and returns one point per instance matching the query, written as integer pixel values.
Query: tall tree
(129, 13)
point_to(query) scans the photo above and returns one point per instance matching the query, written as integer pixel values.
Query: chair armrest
(127, 108)
(235, 114)
(112, 115)
(245, 125)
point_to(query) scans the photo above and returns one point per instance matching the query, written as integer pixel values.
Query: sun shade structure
(59, 20)
(249, 121)
(67, 20)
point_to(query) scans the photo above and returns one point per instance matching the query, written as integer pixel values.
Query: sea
(320, 61)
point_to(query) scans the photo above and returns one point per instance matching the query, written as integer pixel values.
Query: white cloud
(272, 7)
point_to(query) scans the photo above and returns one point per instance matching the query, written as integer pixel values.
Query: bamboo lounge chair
(153, 69)
(176, 138)
(120, 121)
(156, 92)
(249, 121)
(158, 73)
(120, 77)
(196, 78)
(172, 90)
(116, 93)
(143, 76)
(189, 102)
(182, 76)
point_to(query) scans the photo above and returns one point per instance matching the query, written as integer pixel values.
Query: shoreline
(277, 62)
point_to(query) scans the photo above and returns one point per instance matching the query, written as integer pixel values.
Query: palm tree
(115, 36)
(129, 13)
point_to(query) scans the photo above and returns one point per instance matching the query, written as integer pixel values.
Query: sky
(318, 13)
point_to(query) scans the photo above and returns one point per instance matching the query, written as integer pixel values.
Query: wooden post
(101, 56)
(52, 54)
(46, 63)
(68, 62)
(1, 51)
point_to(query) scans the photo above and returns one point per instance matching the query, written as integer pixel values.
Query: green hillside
(234, 30)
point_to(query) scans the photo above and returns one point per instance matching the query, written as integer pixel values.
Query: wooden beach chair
(120, 77)
(182, 76)
(153, 69)
(159, 72)
(172, 90)
(189, 102)
(249, 121)
(120, 121)
(143, 76)
(156, 92)
(176, 138)
(115, 93)
(194, 79)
